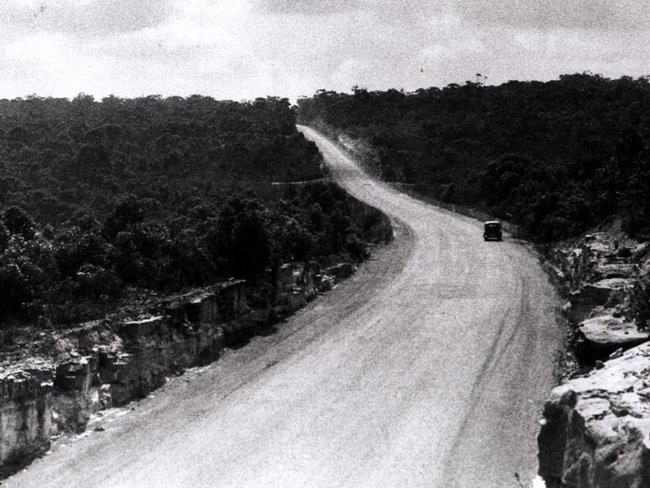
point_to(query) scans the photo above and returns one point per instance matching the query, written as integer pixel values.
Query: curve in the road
(511, 334)
(426, 369)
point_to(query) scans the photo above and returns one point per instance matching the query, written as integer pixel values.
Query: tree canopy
(101, 199)
(555, 157)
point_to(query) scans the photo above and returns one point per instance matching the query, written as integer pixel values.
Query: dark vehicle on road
(492, 231)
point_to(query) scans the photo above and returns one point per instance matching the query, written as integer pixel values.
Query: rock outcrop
(598, 337)
(596, 427)
(107, 363)
(604, 282)
(25, 415)
(110, 362)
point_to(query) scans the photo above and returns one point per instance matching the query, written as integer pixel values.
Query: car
(492, 231)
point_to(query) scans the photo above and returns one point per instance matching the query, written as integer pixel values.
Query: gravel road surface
(428, 368)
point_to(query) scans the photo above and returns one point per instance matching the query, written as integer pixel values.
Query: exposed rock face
(604, 283)
(340, 271)
(25, 416)
(110, 362)
(596, 429)
(599, 337)
(595, 257)
(298, 283)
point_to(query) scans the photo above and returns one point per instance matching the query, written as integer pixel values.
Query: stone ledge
(596, 429)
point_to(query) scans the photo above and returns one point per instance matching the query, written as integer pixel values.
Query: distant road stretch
(428, 368)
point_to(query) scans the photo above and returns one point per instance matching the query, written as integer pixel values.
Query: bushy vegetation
(555, 157)
(99, 198)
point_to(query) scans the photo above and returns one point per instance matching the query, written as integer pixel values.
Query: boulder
(340, 271)
(76, 375)
(599, 337)
(323, 282)
(607, 270)
(597, 243)
(223, 301)
(598, 294)
(596, 429)
(140, 333)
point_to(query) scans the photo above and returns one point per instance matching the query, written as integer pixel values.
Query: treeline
(58, 155)
(554, 157)
(102, 199)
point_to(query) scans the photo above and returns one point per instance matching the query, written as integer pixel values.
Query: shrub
(17, 222)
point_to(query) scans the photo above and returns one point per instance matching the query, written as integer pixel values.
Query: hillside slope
(553, 157)
(427, 369)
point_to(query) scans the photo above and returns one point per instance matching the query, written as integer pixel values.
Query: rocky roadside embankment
(110, 362)
(596, 426)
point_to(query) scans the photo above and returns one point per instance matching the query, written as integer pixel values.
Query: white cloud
(247, 48)
(49, 64)
(542, 14)
(84, 17)
(308, 7)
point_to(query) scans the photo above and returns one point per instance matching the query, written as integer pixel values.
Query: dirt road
(427, 369)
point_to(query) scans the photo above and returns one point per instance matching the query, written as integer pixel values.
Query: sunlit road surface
(428, 368)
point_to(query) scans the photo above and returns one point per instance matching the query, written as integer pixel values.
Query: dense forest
(102, 199)
(554, 157)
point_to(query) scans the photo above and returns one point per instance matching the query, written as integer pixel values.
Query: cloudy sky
(241, 49)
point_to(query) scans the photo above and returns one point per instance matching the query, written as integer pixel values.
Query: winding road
(428, 368)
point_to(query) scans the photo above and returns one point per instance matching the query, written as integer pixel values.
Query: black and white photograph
(324, 244)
